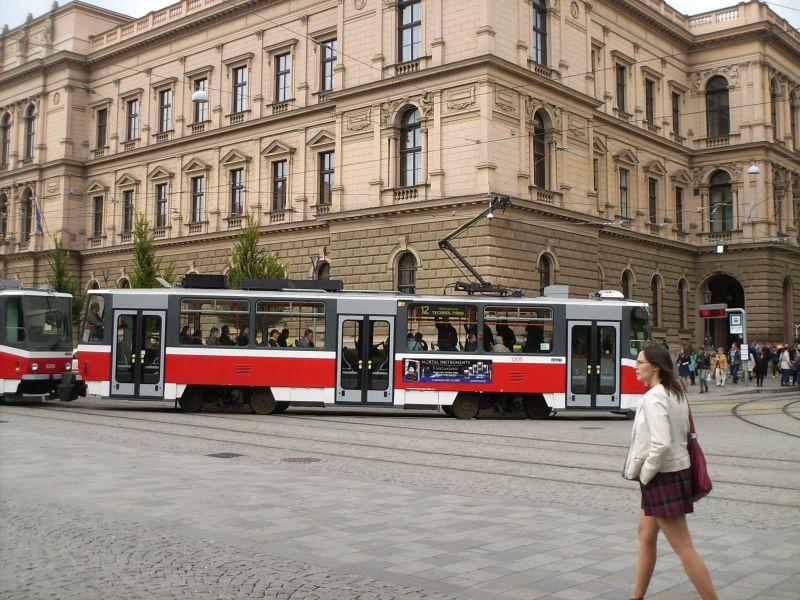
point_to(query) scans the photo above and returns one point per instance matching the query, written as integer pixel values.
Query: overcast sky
(14, 12)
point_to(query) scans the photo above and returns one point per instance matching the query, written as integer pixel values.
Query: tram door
(593, 369)
(138, 354)
(364, 372)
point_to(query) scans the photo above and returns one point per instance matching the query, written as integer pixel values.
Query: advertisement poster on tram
(443, 370)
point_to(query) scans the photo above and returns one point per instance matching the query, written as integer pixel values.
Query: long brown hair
(658, 356)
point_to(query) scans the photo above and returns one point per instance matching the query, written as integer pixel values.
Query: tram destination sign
(445, 370)
(713, 311)
(449, 311)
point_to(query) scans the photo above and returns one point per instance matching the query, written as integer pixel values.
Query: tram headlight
(34, 366)
(67, 366)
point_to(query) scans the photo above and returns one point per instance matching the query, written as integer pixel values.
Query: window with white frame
(409, 30)
(161, 205)
(200, 108)
(198, 191)
(236, 182)
(328, 58)
(127, 211)
(283, 77)
(97, 215)
(279, 181)
(624, 175)
(164, 110)
(240, 80)
(30, 132)
(540, 32)
(327, 168)
(410, 148)
(102, 128)
(132, 119)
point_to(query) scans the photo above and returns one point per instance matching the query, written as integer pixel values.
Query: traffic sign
(735, 324)
(713, 311)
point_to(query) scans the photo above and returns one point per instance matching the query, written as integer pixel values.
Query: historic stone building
(635, 142)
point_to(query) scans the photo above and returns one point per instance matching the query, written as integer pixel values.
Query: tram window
(48, 319)
(214, 322)
(15, 322)
(640, 331)
(518, 329)
(93, 323)
(288, 324)
(443, 327)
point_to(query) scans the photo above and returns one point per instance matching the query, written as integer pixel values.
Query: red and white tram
(317, 348)
(36, 346)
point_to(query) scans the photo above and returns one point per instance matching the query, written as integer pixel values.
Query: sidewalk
(772, 385)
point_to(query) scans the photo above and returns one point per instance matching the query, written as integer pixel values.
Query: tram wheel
(280, 407)
(192, 400)
(536, 408)
(465, 406)
(262, 402)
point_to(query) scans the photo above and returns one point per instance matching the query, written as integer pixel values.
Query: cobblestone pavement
(101, 500)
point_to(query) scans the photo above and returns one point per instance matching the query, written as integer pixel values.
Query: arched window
(655, 300)
(627, 284)
(539, 151)
(545, 268)
(93, 285)
(410, 149)
(682, 304)
(407, 273)
(3, 216)
(774, 93)
(26, 210)
(540, 32)
(124, 284)
(5, 139)
(721, 208)
(30, 131)
(718, 119)
(323, 271)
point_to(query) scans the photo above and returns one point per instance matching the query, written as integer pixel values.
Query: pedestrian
(735, 359)
(703, 373)
(721, 372)
(761, 362)
(658, 458)
(683, 368)
(692, 364)
(796, 364)
(785, 365)
(776, 359)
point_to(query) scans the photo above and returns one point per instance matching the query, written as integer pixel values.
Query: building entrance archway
(724, 289)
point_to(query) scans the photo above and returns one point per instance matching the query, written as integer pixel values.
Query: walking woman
(659, 459)
(761, 365)
(683, 364)
(703, 364)
(721, 372)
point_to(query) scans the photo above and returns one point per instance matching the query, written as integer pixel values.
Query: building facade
(643, 149)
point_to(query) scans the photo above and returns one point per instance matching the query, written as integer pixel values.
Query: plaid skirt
(668, 495)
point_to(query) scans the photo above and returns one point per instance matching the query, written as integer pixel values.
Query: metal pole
(745, 363)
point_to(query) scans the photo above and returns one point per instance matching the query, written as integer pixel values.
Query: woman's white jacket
(659, 437)
(786, 360)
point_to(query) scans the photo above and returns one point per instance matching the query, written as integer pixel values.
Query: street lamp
(753, 169)
(707, 299)
(199, 96)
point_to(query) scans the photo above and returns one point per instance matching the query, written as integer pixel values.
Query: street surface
(105, 500)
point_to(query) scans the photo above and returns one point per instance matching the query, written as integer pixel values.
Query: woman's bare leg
(677, 533)
(646, 561)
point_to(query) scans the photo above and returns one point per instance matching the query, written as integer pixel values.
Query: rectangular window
(161, 205)
(200, 108)
(676, 113)
(596, 174)
(93, 327)
(239, 89)
(102, 127)
(97, 216)
(279, 185)
(127, 211)
(652, 197)
(198, 199)
(650, 100)
(622, 74)
(283, 77)
(444, 327)
(15, 321)
(236, 181)
(214, 322)
(328, 58)
(410, 30)
(327, 166)
(132, 130)
(164, 110)
(540, 32)
(289, 323)
(679, 208)
(518, 329)
(623, 192)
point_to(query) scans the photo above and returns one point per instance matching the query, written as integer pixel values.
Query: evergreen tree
(60, 279)
(249, 261)
(145, 264)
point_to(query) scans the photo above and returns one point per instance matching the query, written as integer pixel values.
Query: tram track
(339, 454)
(735, 412)
(785, 410)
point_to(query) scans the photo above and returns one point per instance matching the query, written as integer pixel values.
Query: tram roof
(362, 295)
(32, 292)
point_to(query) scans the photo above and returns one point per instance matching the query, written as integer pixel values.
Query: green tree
(60, 279)
(250, 261)
(145, 264)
